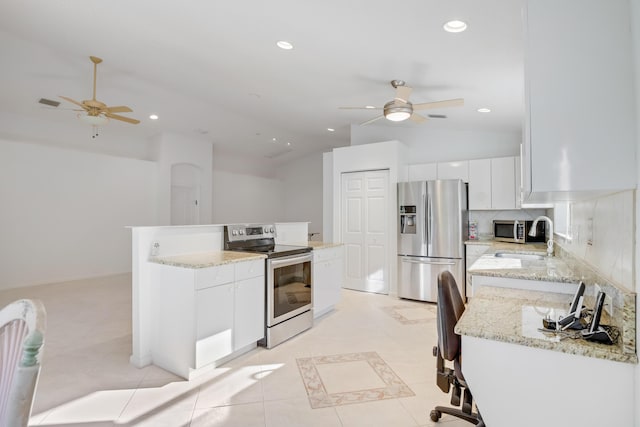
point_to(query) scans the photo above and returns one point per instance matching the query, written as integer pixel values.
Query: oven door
(289, 290)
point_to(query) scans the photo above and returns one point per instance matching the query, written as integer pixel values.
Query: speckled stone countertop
(323, 245)
(205, 259)
(551, 269)
(514, 316)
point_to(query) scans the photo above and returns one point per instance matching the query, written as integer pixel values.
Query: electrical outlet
(608, 301)
(155, 248)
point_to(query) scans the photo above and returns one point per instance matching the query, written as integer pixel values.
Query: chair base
(473, 418)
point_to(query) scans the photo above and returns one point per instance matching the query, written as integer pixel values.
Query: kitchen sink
(528, 257)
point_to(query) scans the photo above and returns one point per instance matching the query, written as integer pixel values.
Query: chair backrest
(22, 326)
(450, 308)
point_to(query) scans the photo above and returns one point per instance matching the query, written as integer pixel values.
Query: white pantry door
(364, 221)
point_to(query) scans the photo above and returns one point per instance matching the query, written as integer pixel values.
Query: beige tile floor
(372, 355)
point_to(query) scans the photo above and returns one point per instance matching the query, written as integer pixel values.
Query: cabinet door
(249, 316)
(321, 286)
(580, 121)
(503, 183)
(480, 184)
(454, 170)
(214, 324)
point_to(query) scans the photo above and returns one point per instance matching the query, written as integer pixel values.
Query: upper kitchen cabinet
(493, 183)
(579, 122)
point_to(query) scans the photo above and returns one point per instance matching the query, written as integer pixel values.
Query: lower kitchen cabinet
(208, 315)
(327, 278)
(473, 252)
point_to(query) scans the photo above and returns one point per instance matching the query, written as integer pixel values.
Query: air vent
(437, 116)
(49, 102)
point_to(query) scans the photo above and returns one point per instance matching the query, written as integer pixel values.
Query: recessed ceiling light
(331, 129)
(288, 144)
(369, 106)
(282, 44)
(153, 117)
(484, 110)
(274, 139)
(455, 26)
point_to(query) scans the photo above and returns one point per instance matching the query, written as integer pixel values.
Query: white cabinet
(493, 183)
(248, 320)
(205, 315)
(454, 170)
(579, 119)
(327, 279)
(503, 183)
(480, 184)
(473, 252)
(214, 324)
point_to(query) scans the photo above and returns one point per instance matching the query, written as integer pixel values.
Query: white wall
(64, 212)
(171, 149)
(425, 145)
(302, 191)
(327, 197)
(245, 190)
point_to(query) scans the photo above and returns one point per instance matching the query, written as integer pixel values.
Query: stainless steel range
(287, 276)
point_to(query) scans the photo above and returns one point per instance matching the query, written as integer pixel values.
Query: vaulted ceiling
(212, 70)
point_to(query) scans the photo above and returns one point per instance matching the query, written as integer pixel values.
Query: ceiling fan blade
(402, 93)
(371, 120)
(417, 118)
(122, 118)
(360, 108)
(119, 109)
(73, 102)
(458, 102)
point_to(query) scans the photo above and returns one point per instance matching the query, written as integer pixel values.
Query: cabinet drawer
(320, 255)
(249, 269)
(214, 276)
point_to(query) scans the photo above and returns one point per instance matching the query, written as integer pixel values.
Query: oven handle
(284, 261)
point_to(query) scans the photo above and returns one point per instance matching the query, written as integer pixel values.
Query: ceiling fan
(400, 109)
(98, 113)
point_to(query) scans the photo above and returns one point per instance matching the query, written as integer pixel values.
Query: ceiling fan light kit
(93, 120)
(397, 113)
(400, 109)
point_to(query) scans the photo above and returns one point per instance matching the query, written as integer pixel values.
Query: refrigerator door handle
(424, 226)
(429, 225)
(419, 261)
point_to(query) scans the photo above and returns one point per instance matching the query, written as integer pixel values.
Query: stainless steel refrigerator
(432, 220)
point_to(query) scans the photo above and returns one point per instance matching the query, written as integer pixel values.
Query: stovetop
(258, 238)
(275, 251)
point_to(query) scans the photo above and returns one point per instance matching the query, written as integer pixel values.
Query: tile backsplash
(602, 235)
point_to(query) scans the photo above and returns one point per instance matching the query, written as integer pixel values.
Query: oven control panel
(236, 232)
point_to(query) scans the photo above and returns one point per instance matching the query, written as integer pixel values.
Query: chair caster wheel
(435, 415)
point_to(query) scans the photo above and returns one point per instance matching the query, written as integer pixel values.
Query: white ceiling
(211, 69)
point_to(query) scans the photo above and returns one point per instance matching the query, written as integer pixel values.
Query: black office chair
(450, 308)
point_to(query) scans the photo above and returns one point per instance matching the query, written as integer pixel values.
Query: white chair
(22, 325)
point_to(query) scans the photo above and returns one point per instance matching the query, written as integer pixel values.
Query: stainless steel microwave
(517, 231)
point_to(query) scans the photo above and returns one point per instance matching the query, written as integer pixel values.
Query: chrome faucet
(534, 231)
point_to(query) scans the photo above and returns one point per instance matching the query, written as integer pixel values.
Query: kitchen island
(521, 376)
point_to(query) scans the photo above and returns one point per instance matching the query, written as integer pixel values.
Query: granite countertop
(206, 259)
(516, 315)
(551, 269)
(323, 245)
